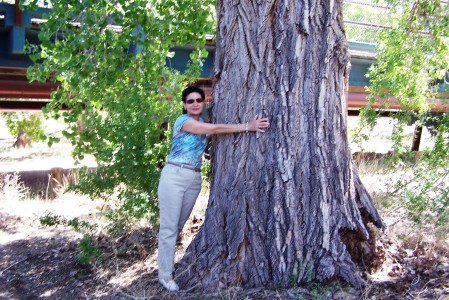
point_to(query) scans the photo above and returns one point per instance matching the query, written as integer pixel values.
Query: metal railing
(364, 20)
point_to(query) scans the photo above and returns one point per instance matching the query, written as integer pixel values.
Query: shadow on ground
(49, 268)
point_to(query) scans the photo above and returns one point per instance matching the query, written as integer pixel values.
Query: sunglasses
(190, 101)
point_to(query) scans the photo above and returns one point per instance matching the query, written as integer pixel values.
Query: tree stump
(55, 182)
(22, 140)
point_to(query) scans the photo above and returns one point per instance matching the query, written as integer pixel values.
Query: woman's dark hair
(192, 89)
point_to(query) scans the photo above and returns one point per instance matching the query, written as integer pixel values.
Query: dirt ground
(39, 262)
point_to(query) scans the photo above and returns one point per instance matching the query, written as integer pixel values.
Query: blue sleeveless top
(187, 148)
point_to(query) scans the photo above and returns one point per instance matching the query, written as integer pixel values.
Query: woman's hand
(258, 125)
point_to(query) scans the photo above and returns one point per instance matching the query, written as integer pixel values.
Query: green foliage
(426, 191)
(316, 291)
(292, 280)
(110, 60)
(413, 56)
(368, 119)
(205, 172)
(50, 220)
(88, 250)
(412, 60)
(30, 123)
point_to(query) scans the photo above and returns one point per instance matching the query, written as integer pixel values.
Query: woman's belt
(190, 167)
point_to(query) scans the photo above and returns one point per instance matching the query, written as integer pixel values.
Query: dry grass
(410, 250)
(416, 255)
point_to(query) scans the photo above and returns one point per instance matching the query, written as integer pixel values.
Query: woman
(180, 182)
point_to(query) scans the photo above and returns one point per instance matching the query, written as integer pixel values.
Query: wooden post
(417, 138)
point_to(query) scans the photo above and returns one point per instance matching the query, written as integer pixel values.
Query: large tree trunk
(280, 201)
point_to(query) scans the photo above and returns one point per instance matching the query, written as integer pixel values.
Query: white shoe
(169, 284)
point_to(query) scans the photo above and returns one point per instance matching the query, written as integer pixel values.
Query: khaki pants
(178, 190)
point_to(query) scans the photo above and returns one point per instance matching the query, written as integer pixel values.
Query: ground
(39, 262)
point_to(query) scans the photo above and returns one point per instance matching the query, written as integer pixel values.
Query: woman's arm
(197, 127)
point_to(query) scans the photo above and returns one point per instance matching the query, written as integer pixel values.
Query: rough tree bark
(280, 201)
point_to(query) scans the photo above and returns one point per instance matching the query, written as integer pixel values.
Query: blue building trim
(181, 57)
(13, 39)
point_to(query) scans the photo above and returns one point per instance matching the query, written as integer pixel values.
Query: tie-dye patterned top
(187, 148)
